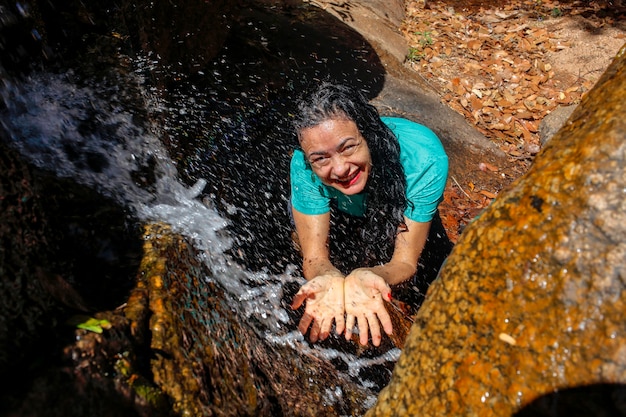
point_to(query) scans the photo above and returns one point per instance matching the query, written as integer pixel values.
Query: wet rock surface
(209, 359)
(531, 301)
(52, 265)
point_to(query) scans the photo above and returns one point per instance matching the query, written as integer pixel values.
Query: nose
(339, 167)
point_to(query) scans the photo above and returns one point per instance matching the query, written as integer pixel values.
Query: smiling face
(338, 154)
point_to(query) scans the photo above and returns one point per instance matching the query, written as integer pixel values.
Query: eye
(349, 149)
(319, 160)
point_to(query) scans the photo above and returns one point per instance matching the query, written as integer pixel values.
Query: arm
(324, 293)
(366, 288)
(313, 236)
(408, 248)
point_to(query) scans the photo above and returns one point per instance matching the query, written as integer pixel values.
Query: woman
(388, 172)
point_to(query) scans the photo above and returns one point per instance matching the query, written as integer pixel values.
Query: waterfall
(84, 130)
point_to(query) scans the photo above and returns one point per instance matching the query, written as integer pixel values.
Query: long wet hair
(386, 184)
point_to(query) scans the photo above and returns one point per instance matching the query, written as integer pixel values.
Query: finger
(385, 320)
(325, 329)
(304, 324)
(372, 320)
(340, 323)
(349, 326)
(315, 331)
(298, 299)
(384, 288)
(363, 336)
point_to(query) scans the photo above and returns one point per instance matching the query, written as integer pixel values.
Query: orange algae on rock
(532, 298)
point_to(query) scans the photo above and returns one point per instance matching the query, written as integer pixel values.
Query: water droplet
(23, 9)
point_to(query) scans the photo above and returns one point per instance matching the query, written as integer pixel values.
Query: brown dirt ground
(505, 65)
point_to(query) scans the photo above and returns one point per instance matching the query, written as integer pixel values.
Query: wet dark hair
(386, 185)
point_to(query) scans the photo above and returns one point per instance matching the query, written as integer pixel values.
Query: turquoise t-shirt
(425, 166)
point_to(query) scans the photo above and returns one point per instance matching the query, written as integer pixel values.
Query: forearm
(314, 267)
(408, 248)
(394, 272)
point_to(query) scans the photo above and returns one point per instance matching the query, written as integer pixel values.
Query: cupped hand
(324, 296)
(365, 293)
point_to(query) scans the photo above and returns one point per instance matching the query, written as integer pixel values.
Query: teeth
(348, 179)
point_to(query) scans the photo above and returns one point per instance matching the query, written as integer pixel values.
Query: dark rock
(35, 33)
(183, 35)
(65, 250)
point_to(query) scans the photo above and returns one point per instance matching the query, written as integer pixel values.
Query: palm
(365, 305)
(324, 296)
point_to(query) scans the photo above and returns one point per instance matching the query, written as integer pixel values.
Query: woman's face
(338, 154)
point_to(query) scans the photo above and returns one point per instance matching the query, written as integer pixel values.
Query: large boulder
(532, 299)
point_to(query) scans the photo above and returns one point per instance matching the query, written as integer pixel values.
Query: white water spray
(44, 116)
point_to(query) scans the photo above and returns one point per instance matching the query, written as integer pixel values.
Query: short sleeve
(425, 189)
(306, 187)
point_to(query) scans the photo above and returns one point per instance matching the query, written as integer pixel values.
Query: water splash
(76, 131)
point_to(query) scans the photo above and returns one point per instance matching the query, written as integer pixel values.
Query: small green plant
(89, 323)
(556, 12)
(416, 54)
(426, 38)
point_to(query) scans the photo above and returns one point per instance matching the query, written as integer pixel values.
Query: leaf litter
(496, 63)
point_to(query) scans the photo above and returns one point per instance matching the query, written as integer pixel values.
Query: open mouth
(350, 181)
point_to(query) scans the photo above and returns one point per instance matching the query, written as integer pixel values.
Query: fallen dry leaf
(487, 194)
